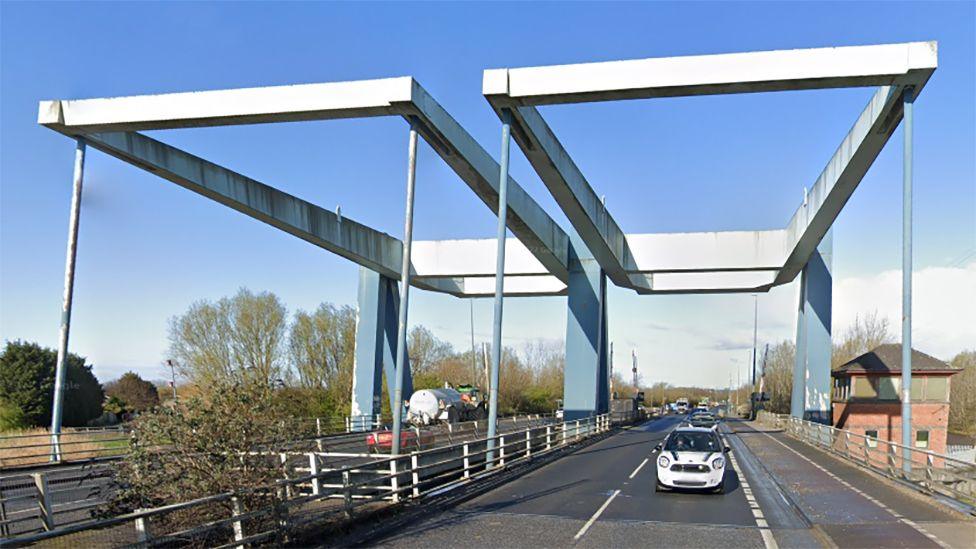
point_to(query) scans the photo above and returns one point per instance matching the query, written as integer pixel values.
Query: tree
(778, 377)
(237, 339)
(134, 393)
(861, 337)
(425, 350)
(27, 373)
(962, 394)
(322, 349)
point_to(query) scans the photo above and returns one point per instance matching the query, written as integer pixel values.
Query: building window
(936, 388)
(921, 439)
(872, 438)
(863, 388)
(889, 388)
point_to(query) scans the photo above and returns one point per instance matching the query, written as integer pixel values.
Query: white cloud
(943, 308)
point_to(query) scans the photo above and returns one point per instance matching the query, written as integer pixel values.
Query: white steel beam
(384, 97)
(800, 69)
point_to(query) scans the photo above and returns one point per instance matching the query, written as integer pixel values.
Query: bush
(226, 442)
(27, 384)
(11, 418)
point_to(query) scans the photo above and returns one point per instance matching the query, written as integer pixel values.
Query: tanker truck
(447, 405)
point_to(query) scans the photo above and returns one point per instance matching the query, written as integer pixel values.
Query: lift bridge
(782, 488)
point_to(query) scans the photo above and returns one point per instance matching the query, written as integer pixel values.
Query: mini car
(691, 458)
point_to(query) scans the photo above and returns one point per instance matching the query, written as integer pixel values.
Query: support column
(69, 283)
(587, 375)
(811, 372)
(906, 284)
(496, 336)
(376, 343)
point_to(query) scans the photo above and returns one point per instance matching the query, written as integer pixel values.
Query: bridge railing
(320, 497)
(930, 471)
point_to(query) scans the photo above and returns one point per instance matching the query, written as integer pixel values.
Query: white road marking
(596, 515)
(642, 464)
(767, 535)
(873, 500)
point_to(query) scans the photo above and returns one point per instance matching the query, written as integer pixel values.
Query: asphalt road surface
(603, 495)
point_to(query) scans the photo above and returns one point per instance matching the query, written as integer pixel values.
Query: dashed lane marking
(595, 516)
(767, 535)
(642, 464)
(866, 496)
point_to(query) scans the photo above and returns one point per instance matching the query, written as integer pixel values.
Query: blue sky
(148, 248)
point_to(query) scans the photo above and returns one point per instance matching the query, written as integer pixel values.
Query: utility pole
(634, 370)
(755, 331)
(172, 374)
(611, 372)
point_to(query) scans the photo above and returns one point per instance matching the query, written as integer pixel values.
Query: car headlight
(663, 461)
(718, 463)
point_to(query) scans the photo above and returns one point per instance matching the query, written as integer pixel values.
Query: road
(603, 495)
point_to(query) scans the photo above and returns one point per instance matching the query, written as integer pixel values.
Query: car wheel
(720, 489)
(658, 487)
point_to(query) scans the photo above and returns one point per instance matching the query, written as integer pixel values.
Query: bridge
(587, 478)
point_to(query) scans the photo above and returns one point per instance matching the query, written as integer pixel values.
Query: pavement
(779, 493)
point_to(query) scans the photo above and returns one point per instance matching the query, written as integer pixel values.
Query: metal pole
(496, 339)
(755, 332)
(611, 372)
(404, 292)
(906, 299)
(474, 354)
(69, 283)
(484, 354)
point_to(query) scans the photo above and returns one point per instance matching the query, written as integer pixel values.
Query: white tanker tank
(447, 405)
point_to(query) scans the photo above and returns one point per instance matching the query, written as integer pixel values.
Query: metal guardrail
(930, 471)
(85, 443)
(39, 500)
(320, 497)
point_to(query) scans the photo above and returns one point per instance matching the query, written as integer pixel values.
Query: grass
(32, 446)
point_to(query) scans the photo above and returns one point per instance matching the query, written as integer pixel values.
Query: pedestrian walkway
(849, 505)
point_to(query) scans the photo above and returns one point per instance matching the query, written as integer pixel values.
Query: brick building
(867, 397)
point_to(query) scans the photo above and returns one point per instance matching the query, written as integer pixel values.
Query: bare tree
(962, 394)
(322, 346)
(238, 339)
(864, 335)
(426, 350)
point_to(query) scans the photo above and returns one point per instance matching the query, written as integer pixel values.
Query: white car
(692, 458)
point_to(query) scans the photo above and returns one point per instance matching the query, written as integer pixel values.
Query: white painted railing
(319, 496)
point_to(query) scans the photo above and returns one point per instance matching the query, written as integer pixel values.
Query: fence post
(565, 435)
(318, 433)
(528, 442)
(501, 455)
(348, 424)
(347, 493)
(235, 508)
(576, 433)
(548, 437)
(847, 444)
(394, 484)
(467, 463)
(283, 457)
(142, 530)
(44, 501)
(415, 475)
(313, 469)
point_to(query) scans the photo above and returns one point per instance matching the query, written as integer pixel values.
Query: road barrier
(931, 472)
(320, 497)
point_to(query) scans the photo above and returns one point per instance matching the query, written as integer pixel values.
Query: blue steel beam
(586, 378)
(376, 344)
(811, 373)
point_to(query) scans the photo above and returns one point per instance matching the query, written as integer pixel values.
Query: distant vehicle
(381, 442)
(693, 458)
(703, 419)
(701, 408)
(447, 405)
(681, 405)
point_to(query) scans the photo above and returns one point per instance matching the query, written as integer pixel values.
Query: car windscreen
(691, 441)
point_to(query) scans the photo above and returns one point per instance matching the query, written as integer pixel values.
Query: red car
(381, 442)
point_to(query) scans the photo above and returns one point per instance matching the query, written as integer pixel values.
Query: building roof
(886, 358)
